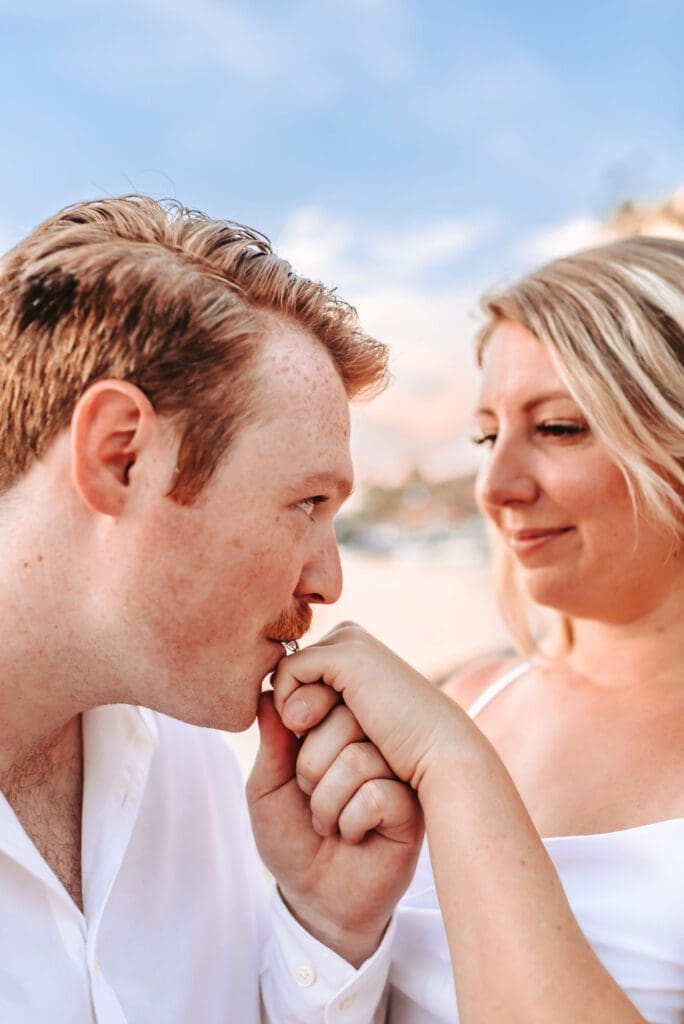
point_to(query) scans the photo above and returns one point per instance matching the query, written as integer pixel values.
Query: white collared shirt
(176, 926)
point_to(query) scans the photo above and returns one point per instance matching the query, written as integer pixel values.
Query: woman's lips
(524, 542)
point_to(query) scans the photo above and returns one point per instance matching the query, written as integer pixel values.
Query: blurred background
(414, 155)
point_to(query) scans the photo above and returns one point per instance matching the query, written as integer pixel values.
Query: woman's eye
(559, 428)
(307, 505)
(549, 428)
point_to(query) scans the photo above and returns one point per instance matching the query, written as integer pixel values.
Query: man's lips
(294, 636)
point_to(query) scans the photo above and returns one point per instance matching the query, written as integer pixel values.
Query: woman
(581, 740)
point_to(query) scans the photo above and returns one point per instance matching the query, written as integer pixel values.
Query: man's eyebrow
(327, 481)
(532, 403)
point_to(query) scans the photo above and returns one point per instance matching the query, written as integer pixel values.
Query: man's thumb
(276, 758)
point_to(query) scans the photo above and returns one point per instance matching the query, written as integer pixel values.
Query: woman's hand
(517, 951)
(411, 723)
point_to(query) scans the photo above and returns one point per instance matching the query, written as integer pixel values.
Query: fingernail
(304, 785)
(298, 712)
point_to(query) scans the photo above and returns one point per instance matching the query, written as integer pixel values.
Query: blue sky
(410, 151)
(377, 109)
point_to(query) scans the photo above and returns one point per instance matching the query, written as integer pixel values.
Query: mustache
(291, 624)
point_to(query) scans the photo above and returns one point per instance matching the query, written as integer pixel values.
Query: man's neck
(37, 712)
(44, 787)
(57, 755)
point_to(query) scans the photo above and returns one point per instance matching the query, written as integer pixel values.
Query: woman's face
(555, 496)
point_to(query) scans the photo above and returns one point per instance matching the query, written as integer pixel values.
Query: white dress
(626, 890)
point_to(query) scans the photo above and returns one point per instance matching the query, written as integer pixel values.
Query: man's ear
(112, 423)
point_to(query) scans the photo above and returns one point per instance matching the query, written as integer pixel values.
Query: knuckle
(317, 804)
(348, 624)
(358, 758)
(342, 716)
(282, 689)
(322, 806)
(372, 794)
(350, 630)
(307, 767)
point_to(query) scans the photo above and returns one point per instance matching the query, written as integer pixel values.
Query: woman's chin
(550, 590)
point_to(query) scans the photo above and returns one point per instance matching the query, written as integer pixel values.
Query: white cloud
(320, 246)
(245, 43)
(304, 50)
(163, 38)
(422, 419)
(389, 277)
(365, 8)
(563, 239)
(151, 39)
(150, 43)
(361, 256)
(435, 243)
(426, 327)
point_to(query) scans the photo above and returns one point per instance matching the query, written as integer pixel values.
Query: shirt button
(347, 1002)
(305, 975)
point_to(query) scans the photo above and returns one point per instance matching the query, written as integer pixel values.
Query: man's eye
(487, 439)
(307, 505)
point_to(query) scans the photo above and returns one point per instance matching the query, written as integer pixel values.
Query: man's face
(207, 586)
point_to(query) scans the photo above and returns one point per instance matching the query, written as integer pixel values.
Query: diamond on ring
(291, 646)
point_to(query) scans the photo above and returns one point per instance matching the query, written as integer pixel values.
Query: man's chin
(225, 719)
(223, 712)
(238, 713)
(236, 722)
(229, 703)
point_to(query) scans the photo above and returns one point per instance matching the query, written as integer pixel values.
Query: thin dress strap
(495, 688)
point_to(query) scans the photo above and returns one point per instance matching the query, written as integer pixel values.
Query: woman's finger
(387, 806)
(307, 706)
(323, 744)
(356, 764)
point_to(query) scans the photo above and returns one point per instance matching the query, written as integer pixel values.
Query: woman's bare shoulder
(469, 680)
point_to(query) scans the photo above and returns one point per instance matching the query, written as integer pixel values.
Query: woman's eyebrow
(531, 403)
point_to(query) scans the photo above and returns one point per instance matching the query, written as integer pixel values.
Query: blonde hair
(164, 297)
(613, 319)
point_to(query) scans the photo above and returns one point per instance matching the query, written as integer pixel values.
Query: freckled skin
(195, 588)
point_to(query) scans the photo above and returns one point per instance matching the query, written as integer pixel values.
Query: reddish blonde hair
(164, 297)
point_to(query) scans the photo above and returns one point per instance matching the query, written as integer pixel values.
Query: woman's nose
(506, 478)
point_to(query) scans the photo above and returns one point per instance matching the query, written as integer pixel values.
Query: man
(175, 448)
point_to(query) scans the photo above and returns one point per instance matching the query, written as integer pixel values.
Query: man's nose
(321, 578)
(507, 478)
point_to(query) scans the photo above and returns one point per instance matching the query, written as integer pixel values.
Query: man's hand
(338, 831)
